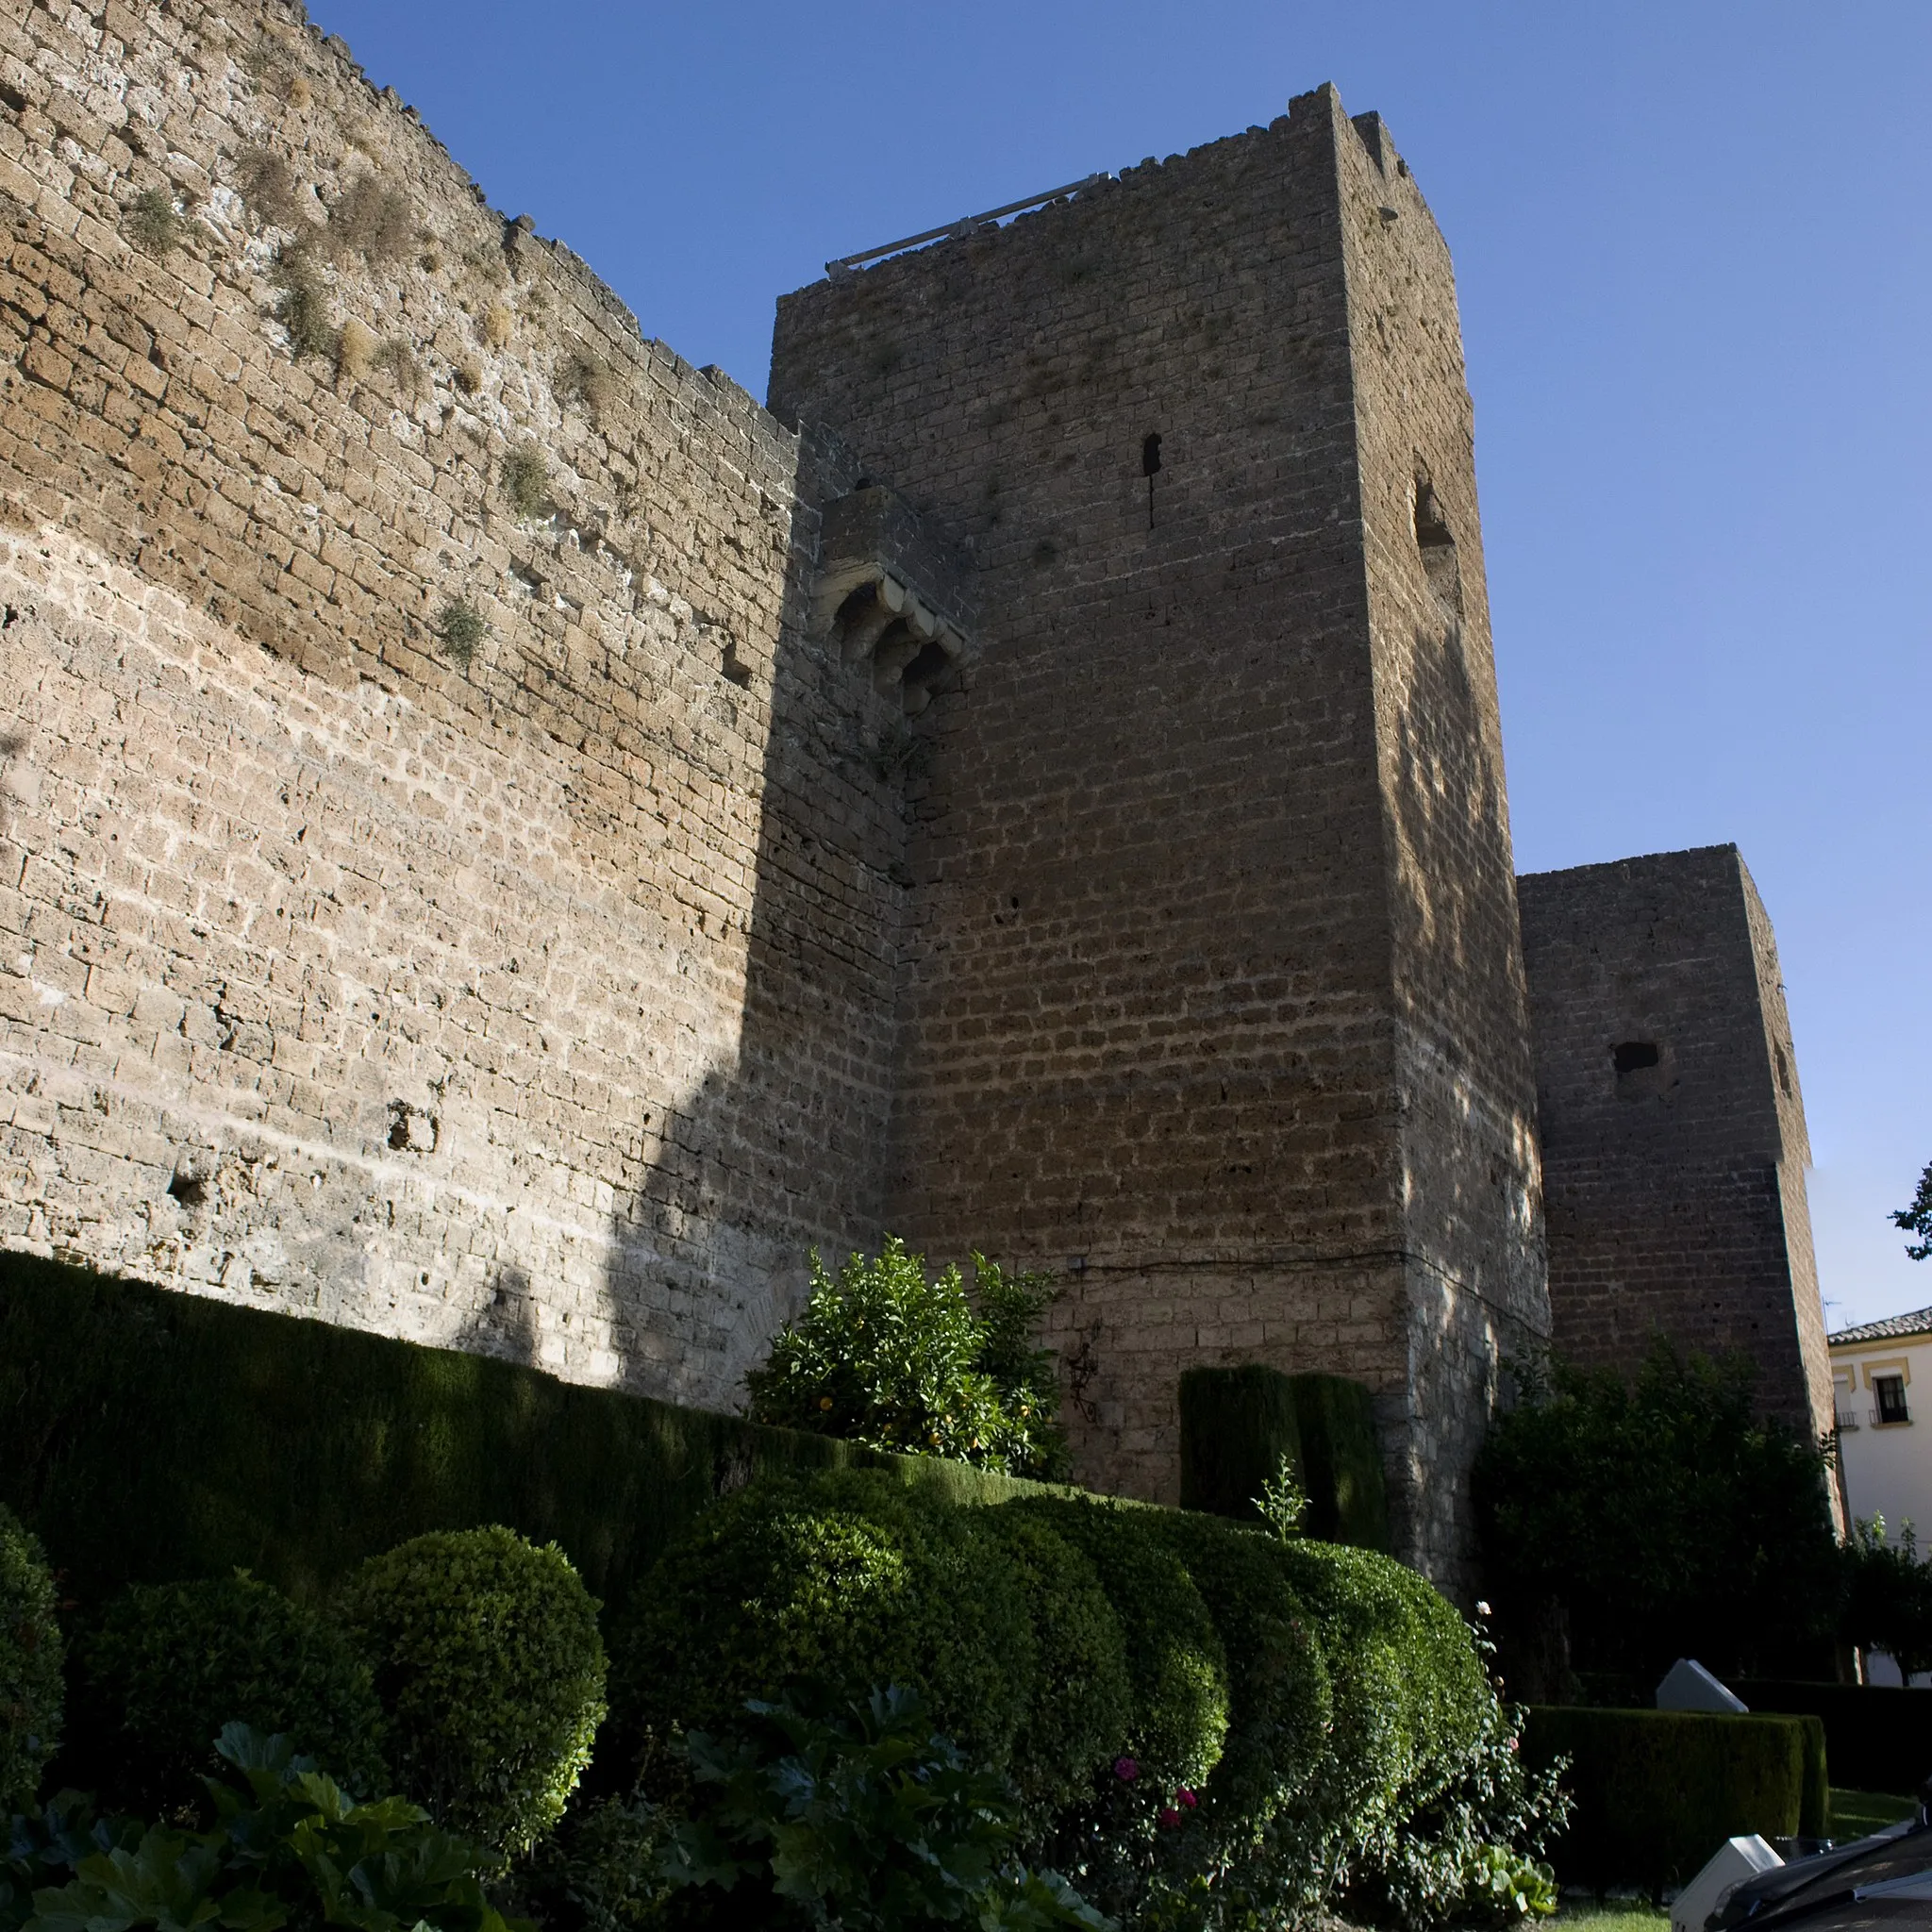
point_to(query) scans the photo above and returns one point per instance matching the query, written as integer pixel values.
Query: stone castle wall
(1213, 989)
(552, 990)
(1675, 1145)
(540, 999)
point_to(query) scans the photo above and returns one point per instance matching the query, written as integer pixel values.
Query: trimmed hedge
(1880, 1736)
(491, 1671)
(832, 1584)
(1280, 1698)
(30, 1660)
(151, 1436)
(1076, 1715)
(1409, 1688)
(1176, 1664)
(1236, 1424)
(1657, 1792)
(170, 1664)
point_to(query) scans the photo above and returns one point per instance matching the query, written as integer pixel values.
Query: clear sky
(1695, 249)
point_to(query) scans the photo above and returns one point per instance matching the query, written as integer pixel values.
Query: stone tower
(1212, 1000)
(1673, 1128)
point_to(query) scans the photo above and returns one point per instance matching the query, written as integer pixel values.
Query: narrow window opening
(1784, 1070)
(1150, 463)
(1436, 542)
(1631, 1055)
(1891, 1393)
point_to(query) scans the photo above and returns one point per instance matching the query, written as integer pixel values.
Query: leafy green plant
(462, 628)
(885, 1356)
(170, 1664)
(1470, 1850)
(601, 1870)
(287, 1846)
(1283, 1503)
(1503, 1887)
(1176, 1666)
(153, 221)
(1888, 1600)
(303, 309)
(525, 479)
(1664, 1515)
(866, 1820)
(1076, 1720)
(490, 1667)
(824, 1585)
(31, 1657)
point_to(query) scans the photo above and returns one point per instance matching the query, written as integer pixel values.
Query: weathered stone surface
(1213, 990)
(1673, 1134)
(920, 819)
(541, 1000)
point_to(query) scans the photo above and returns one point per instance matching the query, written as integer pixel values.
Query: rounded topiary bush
(1077, 1717)
(30, 1661)
(1280, 1697)
(1176, 1667)
(830, 1584)
(491, 1671)
(1409, 1687)
(169, 1664)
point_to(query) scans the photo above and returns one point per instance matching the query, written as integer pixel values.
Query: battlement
(1150, 173)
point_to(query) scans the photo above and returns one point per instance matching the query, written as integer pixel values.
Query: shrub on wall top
(885, 1356)
(30, 1660)
(169, 1665)
(488, 1664)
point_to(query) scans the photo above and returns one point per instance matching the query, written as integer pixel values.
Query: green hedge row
(1292, 1705)
(1880, 1736)
(1657, 1792)
(1236, 1426)
(153, 1436)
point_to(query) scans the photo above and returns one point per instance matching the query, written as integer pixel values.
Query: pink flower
(1169, 1817)
(1186, 1797)
(1126, 1770)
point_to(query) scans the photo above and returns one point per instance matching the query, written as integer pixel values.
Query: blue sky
(1695, 247)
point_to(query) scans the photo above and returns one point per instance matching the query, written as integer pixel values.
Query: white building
(1881, 1378)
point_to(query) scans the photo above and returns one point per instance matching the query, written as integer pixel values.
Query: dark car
(1881, 1881)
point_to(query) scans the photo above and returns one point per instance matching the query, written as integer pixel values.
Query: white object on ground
(1687, 1685)
(1736, 1859)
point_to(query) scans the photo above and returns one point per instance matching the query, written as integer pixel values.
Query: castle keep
(507, 843)
(1673, 1129)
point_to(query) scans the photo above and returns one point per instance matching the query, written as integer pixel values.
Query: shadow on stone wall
(782, 1150)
